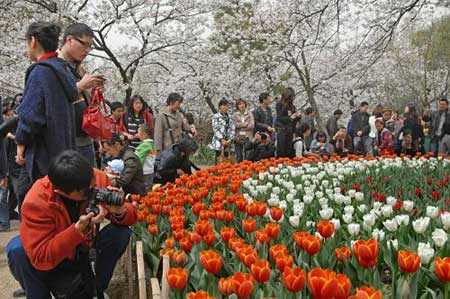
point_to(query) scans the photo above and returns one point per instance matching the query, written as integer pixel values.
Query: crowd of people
(51, 169)
(288, 132)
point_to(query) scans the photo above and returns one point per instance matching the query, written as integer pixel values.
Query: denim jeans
(4, 208)
(111, 244)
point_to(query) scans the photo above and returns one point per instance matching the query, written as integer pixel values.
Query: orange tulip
(277, 250)
(177, 278)
(262, 236)
(442, 268)
(366, 252)
(294, 279)
(226, 286)
(202, 227)
(299, 237)
(325, 228)
(194, 237)
(153, 229)
(252, 209)
(342, 252)
(210, 238)
(261, 208)
(249, 225)
(327, 284)
(367, 293)
(211, 261)
(243, 284)
(186, 244)
(407, 261)
(170, 242)
(283, 261)
(276, 213)
(227, 233)
(311, 244)
(178, 234)
(273, 230)
(247, 255)
(261, 270)
(199, 295)
(235, 243)
(179, 257)
(151, 219)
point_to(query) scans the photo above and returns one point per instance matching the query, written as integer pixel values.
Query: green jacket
(147, 146)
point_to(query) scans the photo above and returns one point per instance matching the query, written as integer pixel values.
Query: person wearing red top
(51, 253)
(117, 112)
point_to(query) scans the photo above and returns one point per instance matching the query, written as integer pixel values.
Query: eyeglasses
(86, 45)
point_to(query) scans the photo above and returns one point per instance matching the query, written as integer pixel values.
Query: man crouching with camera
(59, 250)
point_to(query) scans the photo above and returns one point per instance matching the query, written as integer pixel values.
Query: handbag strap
(169, 128)
(98, 99)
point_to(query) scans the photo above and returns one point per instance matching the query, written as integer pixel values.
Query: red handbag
(95, 122)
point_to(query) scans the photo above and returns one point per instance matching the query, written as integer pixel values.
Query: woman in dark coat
(413, 124)
(285, 123)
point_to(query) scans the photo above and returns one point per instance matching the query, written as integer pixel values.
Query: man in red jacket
(51, 253)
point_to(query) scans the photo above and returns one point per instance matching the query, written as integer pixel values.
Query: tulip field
(304, 228)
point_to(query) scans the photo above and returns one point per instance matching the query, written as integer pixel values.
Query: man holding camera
(58, 246)
(260, 148)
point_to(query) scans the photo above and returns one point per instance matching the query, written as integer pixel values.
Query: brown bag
(226, 156)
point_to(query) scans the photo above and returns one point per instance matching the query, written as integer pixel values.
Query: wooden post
(141, 271)
(165, 285)
(156, 291)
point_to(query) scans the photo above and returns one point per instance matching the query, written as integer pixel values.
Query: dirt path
(7, 282)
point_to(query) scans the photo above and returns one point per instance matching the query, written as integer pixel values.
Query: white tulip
(408, 205)
(378, 234)
(351, 193)
(445, 218)
(377, 205)
(369, 220)
(310, 223)
(325, 183)
(294, 220)
(390, 225)
(349, 210)
(269, 185)
(393, 242)
(362, 208)
(337, 223)
(391, 200)
(347, 200)
(276, 190)
(386, 210)
(432, 212)
(348, 218)
(426, 253)
(402, 219)
(420, 225)
(323, 201)
(273, 201)
(326, 213)
(337, 190)
(290, 197)
(359, 196)
(439, 237)
(353, 229)
(307, 199)
(319, 194)
(283, 204)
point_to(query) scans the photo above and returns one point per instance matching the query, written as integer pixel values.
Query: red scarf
(47, 56)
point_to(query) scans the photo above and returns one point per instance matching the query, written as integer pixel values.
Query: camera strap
(93, 258)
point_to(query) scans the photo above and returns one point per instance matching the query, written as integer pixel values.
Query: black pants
(285, 146)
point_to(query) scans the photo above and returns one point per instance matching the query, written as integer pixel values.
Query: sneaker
(19, 293)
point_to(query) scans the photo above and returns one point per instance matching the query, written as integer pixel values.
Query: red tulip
(407, 261)
(276, 213)
(243, 284)
(366, 252)
(177, 278)
(442, 268)
(341, 253)
(294, 279)
(249, 225)
(261, 270)
(325, 228)
(211, 261)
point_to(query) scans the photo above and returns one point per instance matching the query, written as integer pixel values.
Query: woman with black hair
(286, 121)
(224, 132)
(46, 124)
(412, 123)
(132, 178)
(136, 116)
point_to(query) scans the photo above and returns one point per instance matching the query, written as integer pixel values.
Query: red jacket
(47, 234)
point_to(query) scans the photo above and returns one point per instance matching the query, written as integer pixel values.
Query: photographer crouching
(60, 249)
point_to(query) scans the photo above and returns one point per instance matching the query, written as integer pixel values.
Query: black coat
(132, 178)
(257, 151)
(360, 122)
(167, 162)
(263, 119)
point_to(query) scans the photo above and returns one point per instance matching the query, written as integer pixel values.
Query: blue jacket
(46, 115)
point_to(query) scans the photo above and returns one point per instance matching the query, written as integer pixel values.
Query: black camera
(106, 196)
(263, 135)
